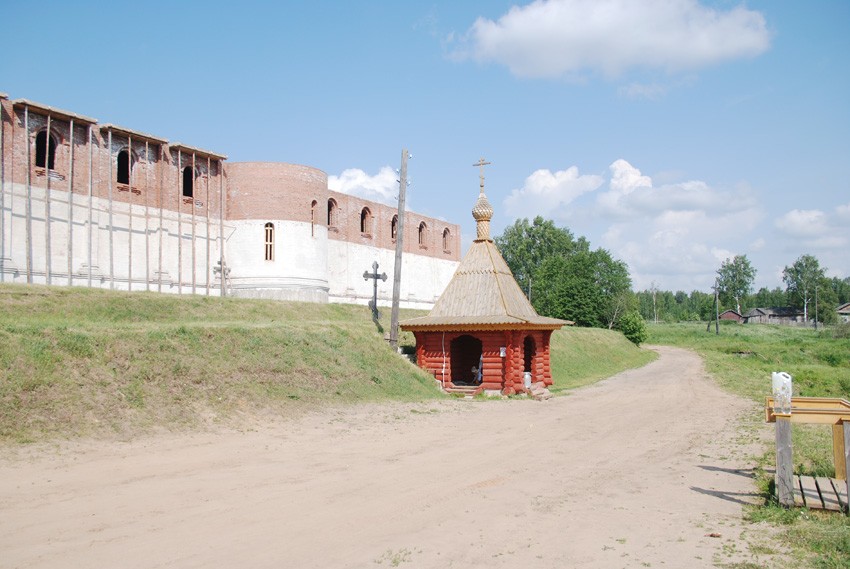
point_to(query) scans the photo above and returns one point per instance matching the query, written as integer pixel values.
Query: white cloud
(758, 244)
(632, 194)
(382, 187)
(651, 91)
(677, 234)
(824, 232)
(553, 38)
(547, 193)
(802, 223)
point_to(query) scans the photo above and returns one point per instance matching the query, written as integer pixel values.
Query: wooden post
(130, 214)
(784, 461)
(29, 194)
(3, 196)
(48, 277)
(838, 446)
(399, 248)
(846, 428)
(70, 250)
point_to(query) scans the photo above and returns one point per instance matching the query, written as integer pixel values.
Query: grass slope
(580, 356)
(78, 362)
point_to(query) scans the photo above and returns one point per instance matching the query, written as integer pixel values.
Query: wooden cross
(375, 276)
(481, 163)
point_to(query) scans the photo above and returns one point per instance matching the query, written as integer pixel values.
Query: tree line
(807, 289)
(564, 277)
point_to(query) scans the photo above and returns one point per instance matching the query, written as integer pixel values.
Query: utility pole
(654, 288)
(716, 308)
(816, 306)
(399, 247)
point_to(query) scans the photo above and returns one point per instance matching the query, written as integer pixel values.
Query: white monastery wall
(99, 205)
(423, 278)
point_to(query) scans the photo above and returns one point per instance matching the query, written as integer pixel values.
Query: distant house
(776, 315)
(844, 312)
(731, 315)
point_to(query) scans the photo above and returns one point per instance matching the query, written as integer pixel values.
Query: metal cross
(481, 163)
(373, 304)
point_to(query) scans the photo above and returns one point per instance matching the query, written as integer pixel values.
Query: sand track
(638, 469)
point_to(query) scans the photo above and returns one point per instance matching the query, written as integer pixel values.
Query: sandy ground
(645, 469)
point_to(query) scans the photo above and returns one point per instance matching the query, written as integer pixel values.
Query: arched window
(394, 228)
(332, 213)
(188, 182)
(423, 234)
(447, 239)
(313, 206)
(125, 167)
(45, 150)
(269, 241)
(365, 221)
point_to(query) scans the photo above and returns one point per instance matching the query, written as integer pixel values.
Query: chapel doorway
(529, 350)
(465, 355)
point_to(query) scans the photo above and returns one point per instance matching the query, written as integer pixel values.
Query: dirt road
(639, 470)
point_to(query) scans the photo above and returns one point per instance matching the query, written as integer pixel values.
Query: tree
(841, 288)
(633, 327)
(800, 281)
(826, 302)
(766, 298)
(588, 287)
(525, 246)
(735, 280)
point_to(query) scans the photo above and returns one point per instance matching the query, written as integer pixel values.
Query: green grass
(580, 356)
(742, 358)
(79, 361)
(86, 362)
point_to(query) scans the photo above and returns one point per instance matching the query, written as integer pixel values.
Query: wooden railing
(818, 410)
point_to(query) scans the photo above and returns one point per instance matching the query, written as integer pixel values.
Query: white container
(526, 379)
(782, 384)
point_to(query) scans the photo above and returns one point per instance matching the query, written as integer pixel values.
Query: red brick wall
(272, 190)
(156, 179)
(379, 234)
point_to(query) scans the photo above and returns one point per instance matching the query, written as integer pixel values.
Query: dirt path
(635, 471)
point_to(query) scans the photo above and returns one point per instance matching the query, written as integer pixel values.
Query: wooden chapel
(483, 334)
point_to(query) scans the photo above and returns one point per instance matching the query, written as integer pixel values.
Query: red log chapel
(483, 331)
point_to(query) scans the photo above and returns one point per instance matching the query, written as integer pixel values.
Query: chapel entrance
(528, 351)
(465, 355)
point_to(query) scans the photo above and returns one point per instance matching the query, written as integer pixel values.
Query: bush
(633, 327)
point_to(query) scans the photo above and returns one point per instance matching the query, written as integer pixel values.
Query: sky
(673, 133)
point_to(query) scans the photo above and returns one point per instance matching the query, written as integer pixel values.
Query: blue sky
(673, 133)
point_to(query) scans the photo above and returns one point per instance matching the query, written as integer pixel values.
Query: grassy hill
(82, 362)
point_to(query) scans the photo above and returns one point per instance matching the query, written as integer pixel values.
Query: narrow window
(45, 150)
(124, 167)
(188, 182)
(313, 206)
(269, 242)
(394, 228)
(423, 231)
(366, 221)
(332, 213)
(447, 239)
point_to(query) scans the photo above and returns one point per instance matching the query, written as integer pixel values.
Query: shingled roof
(483, 292)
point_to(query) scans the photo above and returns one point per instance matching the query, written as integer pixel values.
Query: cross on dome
(481, 163)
